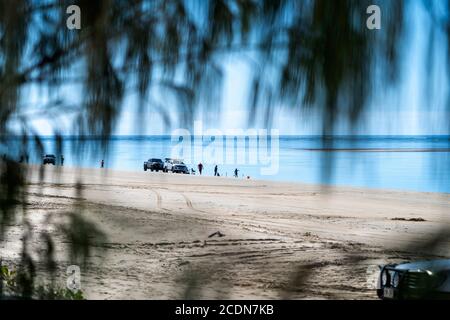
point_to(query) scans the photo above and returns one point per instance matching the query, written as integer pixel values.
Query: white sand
(158, 225)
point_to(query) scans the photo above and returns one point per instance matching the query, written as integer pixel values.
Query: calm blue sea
(419, 169)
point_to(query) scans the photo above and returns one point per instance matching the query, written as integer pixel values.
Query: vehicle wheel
(380, 293)
(151, 170)
(145, 168)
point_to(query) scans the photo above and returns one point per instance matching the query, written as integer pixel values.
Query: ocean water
(417, 163)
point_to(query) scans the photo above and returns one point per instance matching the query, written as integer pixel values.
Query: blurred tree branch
(314, 54)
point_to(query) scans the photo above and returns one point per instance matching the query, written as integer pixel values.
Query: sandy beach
(278, 240)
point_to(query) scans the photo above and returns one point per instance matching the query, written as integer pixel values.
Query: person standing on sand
(102, 164)
(215, 171)
(62, 160)
(236, 172)
(200, 168)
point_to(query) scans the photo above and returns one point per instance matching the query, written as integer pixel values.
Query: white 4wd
(169, 163)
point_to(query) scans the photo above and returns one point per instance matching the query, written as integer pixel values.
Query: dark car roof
(155, 160)
(431, 265)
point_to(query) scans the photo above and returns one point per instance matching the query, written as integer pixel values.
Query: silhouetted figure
(27, 158)
(236, 171)
(21, 159)
(102, 164)
(62, 160)
(215, 170)
(200, 168)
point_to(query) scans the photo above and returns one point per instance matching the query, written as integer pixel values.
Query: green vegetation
(10, 288)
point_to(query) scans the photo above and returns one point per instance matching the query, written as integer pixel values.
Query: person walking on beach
(200, 168)
(236, 172)
(62, 160)
(102, 164)
(215, 171)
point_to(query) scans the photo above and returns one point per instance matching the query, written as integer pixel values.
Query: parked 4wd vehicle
(49, 159)
(415, 280)
(169, 163)
(153, 164)
(180, 168)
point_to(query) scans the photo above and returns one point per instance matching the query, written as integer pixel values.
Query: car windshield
(155, 160)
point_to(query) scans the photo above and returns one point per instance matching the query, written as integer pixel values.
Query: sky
(403, 110)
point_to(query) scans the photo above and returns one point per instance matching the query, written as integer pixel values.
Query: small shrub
(9, 288)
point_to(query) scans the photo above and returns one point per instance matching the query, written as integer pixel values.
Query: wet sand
(279, 240)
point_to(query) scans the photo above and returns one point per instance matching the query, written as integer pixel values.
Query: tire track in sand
(186, 200)
(232, 221)
(158, 200)
(189, 203)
